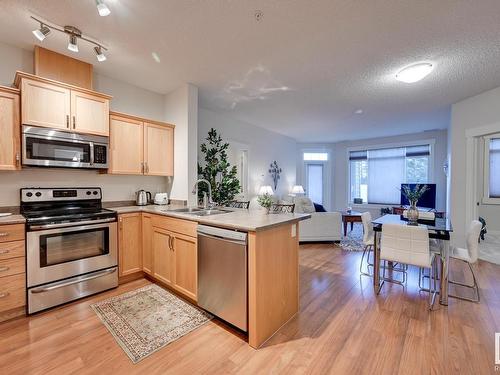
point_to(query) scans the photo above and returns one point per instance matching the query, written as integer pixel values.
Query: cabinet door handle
(4, 268)
(67, 121)
(74, 122)
(172, 243)
(4, 251)
(18, 158)
(4, 294)
(4, 234)
(142, 167)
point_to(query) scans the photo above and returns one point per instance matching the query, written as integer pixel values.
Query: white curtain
(386, 173)
(495, 168)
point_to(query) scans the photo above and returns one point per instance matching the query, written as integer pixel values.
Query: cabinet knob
(4, 294)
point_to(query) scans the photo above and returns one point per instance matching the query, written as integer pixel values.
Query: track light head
(99, 54)
(72, 45)
(102, 8)
(42, 32)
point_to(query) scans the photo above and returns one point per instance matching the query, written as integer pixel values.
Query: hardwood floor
(342, 328)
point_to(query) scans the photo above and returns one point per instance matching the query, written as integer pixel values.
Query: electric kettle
(141, 198)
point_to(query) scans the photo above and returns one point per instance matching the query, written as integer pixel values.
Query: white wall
(339, 165)
(264, 147)
(479, 111)
(181, 109)
(126, 98)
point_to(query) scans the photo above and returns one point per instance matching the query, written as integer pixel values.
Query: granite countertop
(240, 219)
(12, 219)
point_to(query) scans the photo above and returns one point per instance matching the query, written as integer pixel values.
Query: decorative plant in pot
(266, 201)
(217, 170)
(413, 195)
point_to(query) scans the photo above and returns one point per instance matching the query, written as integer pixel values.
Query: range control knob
(88, 192)
(29, 194)
(95, 192)
(38, 194)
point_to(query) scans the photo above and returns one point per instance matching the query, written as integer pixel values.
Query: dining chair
(279, 208)
(238, 204)
(408, 244)
(368, 238)
(469, 256)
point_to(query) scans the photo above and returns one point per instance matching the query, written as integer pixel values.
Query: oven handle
(71, 224)
(67, 283)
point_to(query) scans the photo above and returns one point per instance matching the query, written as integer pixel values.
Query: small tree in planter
(217, 170)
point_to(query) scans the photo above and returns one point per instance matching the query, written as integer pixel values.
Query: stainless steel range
(71, 248)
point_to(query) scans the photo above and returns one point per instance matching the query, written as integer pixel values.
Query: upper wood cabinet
(53, 104)
(10, 129)
(90, 113)
(45, 104)
(158, 150)
(130, 243)
(140, 146)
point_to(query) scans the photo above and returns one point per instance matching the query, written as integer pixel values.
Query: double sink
(200, 211)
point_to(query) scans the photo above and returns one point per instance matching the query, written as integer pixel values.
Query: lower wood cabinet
(147, 244)
(164, 248)
(130, 243)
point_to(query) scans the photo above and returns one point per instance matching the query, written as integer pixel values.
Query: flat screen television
(428, 200)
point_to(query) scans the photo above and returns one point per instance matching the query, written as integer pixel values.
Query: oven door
(56, 152)
(59, 253)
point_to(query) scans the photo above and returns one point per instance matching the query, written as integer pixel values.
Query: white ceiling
(303, 69)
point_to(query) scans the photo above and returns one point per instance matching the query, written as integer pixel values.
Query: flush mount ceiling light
(42, 32)
(73, 34)
(102, 8)
(415, 72)
(358, 111)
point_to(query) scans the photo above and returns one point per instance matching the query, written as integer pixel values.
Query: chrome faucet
(210, 203)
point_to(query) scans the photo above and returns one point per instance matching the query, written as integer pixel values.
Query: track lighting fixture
(102, 8)
(73, 34)
(42, 32)
(99, 54)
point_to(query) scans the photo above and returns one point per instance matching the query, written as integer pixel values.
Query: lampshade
(266, 189)
(297, 189)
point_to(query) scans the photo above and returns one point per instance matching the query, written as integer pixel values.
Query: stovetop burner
(62, 205)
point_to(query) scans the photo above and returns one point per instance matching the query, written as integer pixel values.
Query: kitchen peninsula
(273, 245)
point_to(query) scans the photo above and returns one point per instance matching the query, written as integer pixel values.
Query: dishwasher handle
(222, 234)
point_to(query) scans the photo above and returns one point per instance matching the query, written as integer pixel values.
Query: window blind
(495, 168)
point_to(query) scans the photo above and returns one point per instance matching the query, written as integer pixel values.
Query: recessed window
(315, 156)
(492, 170)
(376, 175)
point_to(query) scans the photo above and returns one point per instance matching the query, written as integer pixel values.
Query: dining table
(439, 229)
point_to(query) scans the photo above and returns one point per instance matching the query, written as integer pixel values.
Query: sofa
(322, 226)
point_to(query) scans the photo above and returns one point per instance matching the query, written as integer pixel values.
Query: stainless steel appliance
(142, 198)
(222, 274)
(71, 245)
(44, 147)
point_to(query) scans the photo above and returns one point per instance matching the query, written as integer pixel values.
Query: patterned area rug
(354, 239)
(145, 320)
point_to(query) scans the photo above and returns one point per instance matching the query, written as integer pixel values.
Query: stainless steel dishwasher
(222, 274)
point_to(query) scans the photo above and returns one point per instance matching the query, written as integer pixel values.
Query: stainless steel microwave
(45, 147)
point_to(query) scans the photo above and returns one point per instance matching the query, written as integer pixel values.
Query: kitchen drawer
(12, 292)
(12, 232)
(14, 249)
(13, 266)
(181, 226)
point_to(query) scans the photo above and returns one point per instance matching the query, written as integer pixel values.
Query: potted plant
(266, 201)
(413, 195)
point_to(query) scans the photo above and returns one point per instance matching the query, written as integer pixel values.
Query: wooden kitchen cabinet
(147, 244)
(53, 104)
(130, 243)
(89, 113)
(10, 129)
(158, 150)
(185, 250)
(163, 269)
(140, 147)
(45, 104)
(126, 146)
